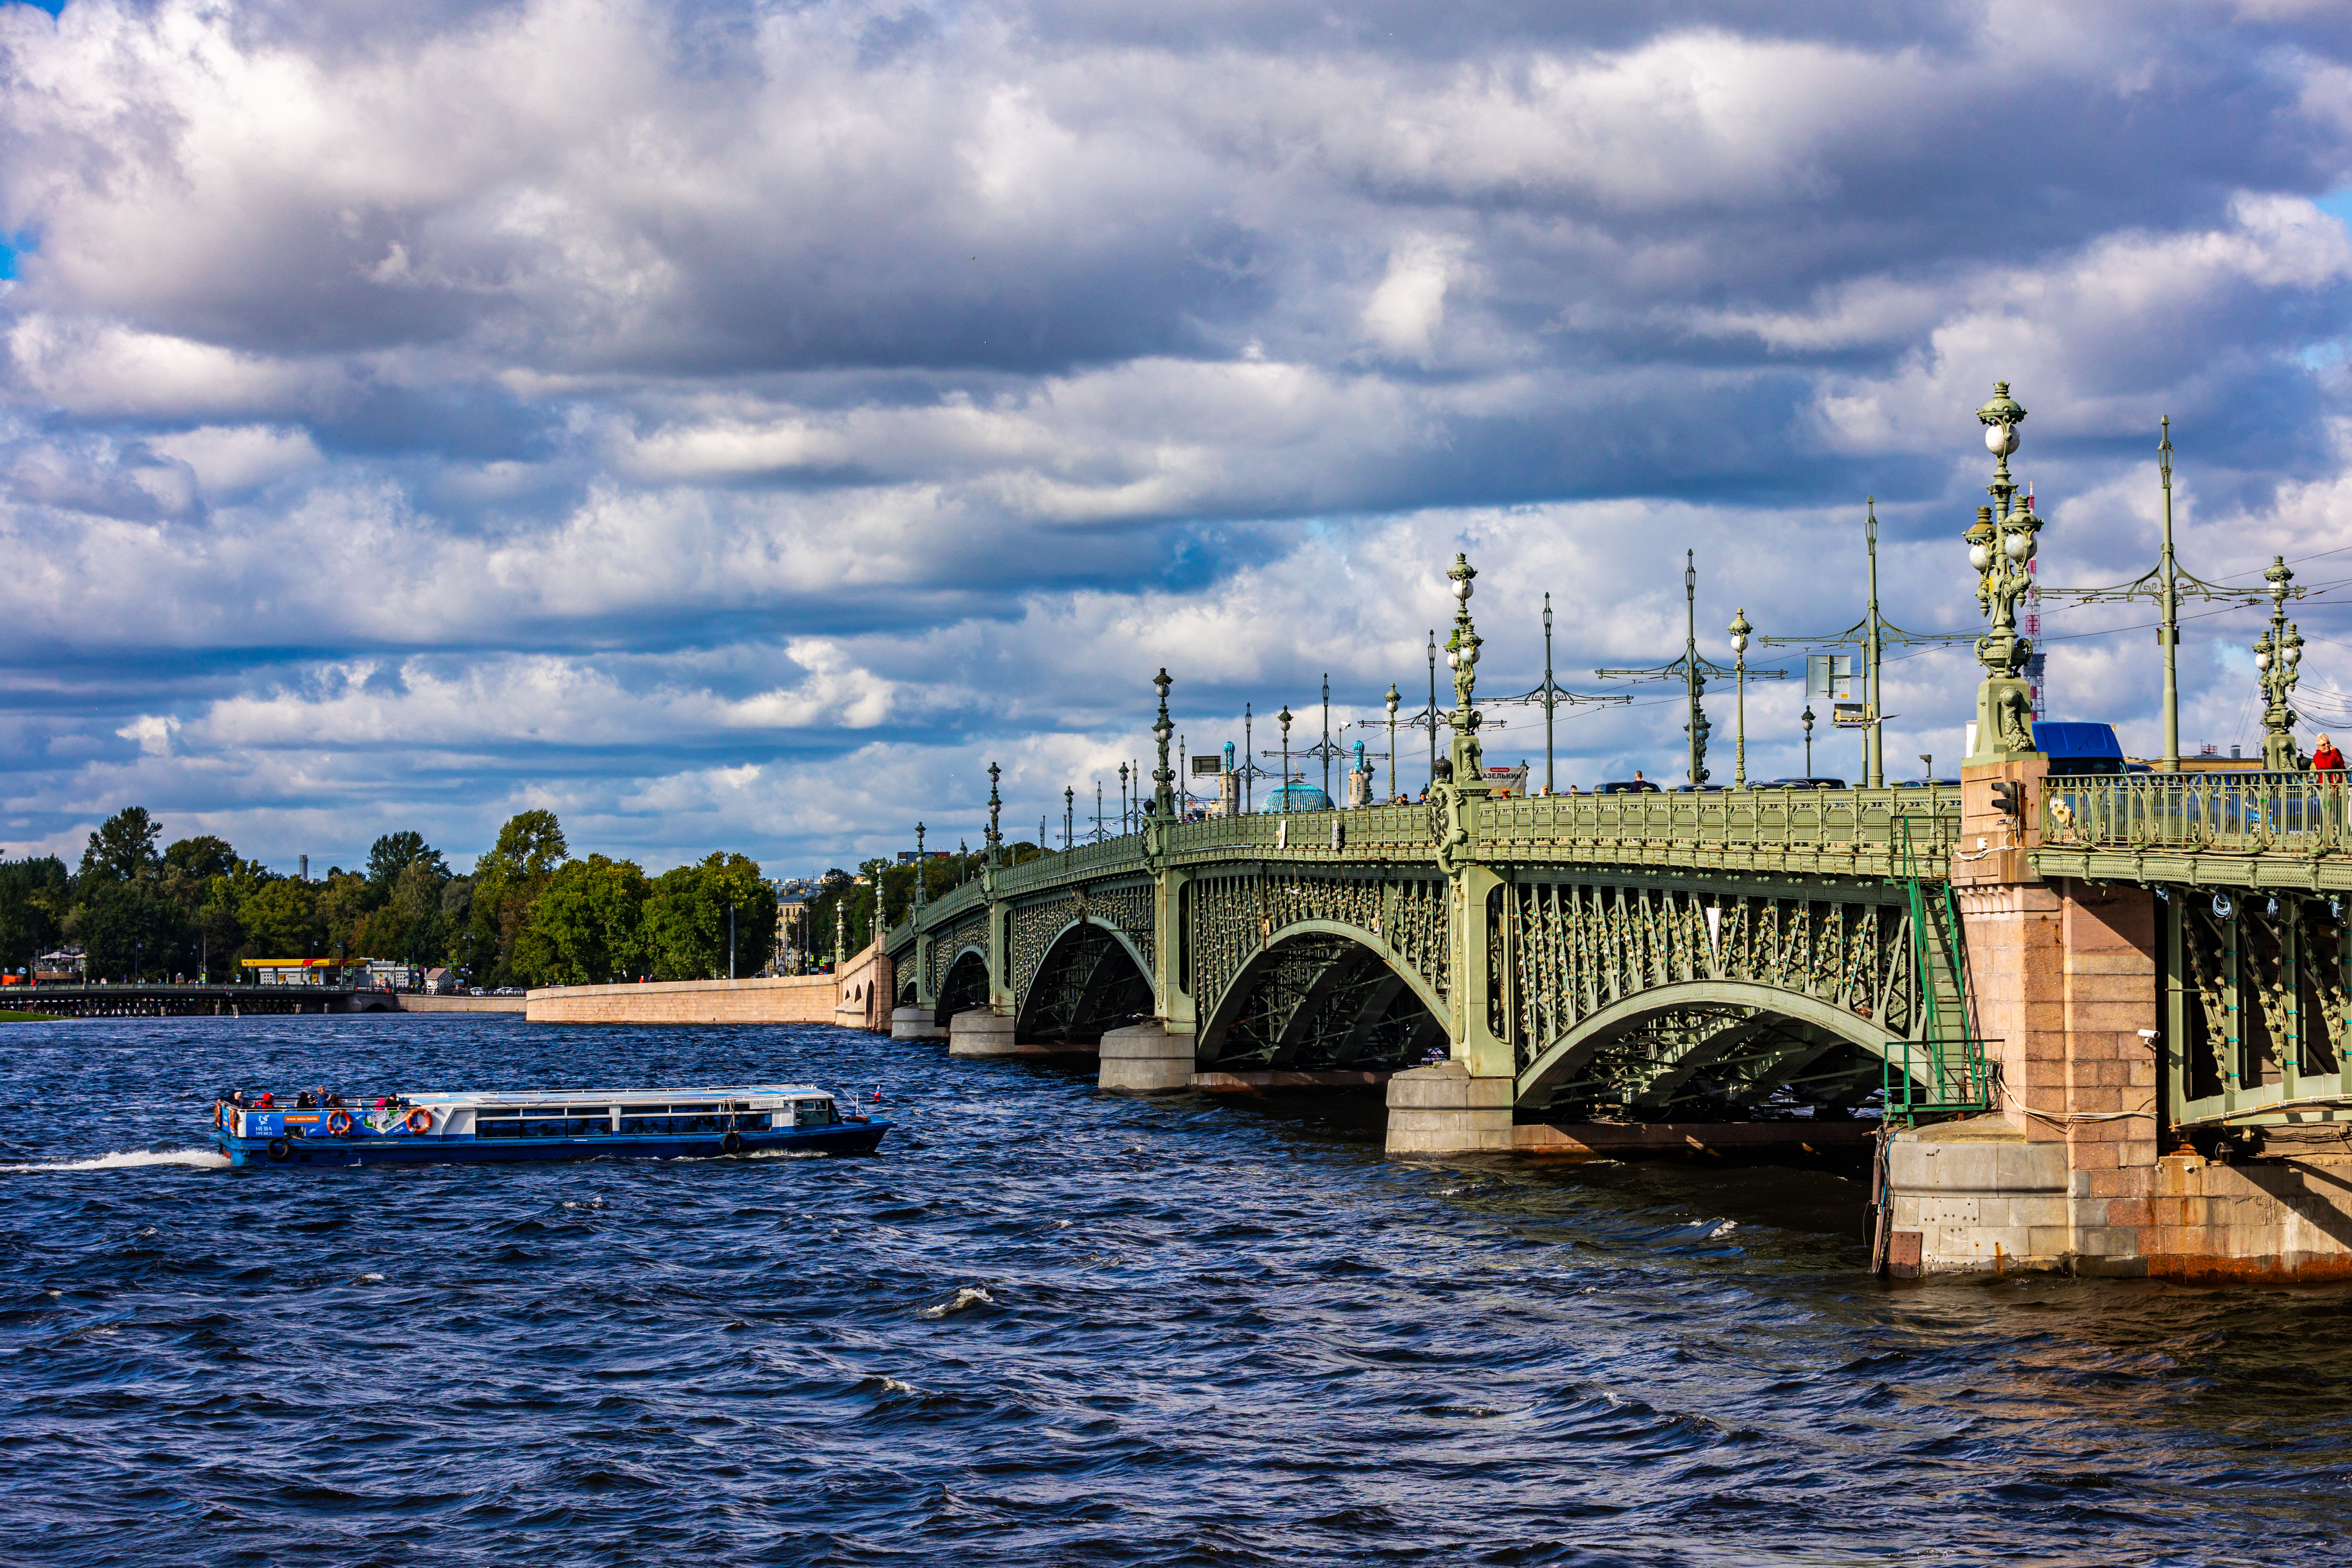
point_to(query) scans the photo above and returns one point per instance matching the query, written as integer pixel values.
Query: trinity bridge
(2086, 1021)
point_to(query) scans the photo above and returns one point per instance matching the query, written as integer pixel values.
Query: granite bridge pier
(2097, 1024)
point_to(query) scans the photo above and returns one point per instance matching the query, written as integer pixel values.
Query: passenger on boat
(267, 1102)
(303, 1102)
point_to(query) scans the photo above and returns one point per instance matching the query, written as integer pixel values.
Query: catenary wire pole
(1871, 635)
(1552, 694)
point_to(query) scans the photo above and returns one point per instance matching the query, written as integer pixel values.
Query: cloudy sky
(733, 426)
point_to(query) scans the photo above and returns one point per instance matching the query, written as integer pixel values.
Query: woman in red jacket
(2325, 758)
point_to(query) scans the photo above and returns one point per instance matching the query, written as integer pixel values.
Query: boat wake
(131, 1159)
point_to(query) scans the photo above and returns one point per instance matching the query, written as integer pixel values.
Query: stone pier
(1145, 1058)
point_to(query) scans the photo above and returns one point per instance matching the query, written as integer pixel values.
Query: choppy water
(1050, 1327)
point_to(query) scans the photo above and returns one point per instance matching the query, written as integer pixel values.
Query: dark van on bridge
(2075, 747)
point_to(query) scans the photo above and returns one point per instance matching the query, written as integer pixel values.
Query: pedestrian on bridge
(2325, 758)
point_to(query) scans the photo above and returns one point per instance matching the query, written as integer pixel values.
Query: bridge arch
(963, 985)
(1091, 979)
(1746, 1038)
(1321, 994)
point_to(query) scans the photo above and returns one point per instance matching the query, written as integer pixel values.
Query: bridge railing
(1743, 820)
(2240, 812)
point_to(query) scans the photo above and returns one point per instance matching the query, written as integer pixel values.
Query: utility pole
(1433, 707)
(1692, 670)
(2165, 583)
(1392, 699)
(1552, 694)
(1871, 635)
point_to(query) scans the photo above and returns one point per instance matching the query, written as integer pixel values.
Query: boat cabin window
(814, 1113)
(542, 1122)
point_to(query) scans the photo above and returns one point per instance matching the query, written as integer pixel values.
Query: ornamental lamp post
(2001, 548)
(919, 899)
(1806, 718)
(1393, 701)
(994, 853)
(1461, 659)
(1069, 815)
(1739, 629)
(1164, 778)
(1122, 797)
(1282, 791)
(2277, 652)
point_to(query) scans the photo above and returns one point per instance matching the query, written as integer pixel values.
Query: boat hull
(409, 1149)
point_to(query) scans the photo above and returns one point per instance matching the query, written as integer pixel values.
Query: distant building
(66, 966)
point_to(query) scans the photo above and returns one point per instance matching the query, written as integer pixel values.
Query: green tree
(123, 847)
(507, 882)
(344, 904)
(408, 925)
(456, 926)
(201, 858)
(687, 919)
(280, 917)
(34, 898)
(588, 926)
(395, 853)
(128, 932)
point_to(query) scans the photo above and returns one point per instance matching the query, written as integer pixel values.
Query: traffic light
(2008, 798)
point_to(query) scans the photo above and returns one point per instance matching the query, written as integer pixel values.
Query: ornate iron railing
(2237, 812)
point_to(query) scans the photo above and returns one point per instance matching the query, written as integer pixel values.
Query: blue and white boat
(543, 1124)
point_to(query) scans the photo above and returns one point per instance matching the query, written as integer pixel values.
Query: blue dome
(1298, 797)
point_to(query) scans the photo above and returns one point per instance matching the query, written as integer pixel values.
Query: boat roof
(610, 1096)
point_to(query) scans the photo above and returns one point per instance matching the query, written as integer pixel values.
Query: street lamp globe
(1393, 699)
(2000, 416)
(2262, 651)
(2019, 546)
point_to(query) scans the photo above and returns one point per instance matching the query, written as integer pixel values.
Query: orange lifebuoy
(420, 1121)
(338, 1122)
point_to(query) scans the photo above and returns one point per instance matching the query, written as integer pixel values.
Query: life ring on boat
(732, 1143)
(280, 1150)
(420, 1121)
(338, 1122)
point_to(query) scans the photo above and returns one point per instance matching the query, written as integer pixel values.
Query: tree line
(527, 914)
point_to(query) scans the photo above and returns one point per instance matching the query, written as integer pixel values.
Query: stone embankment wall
(415, 1003)
(793, 999)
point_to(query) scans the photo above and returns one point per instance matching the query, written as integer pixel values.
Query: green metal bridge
(1685, 956)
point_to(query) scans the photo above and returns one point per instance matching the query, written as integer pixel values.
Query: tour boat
(541, 1124)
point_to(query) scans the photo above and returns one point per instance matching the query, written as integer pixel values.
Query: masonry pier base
(983, 1032)
(1443, 1109)
(1145, 1058)
(915, 1023)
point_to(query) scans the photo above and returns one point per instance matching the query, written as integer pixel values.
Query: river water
(1047, 1326)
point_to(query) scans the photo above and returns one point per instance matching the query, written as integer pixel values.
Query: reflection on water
(1046, 1326)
